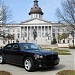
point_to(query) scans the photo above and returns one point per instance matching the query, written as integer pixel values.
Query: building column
(44, 31)
(41, 31)
(27, 32)
(20, 32)
(51, 32)
(37, 30)
(48, 29)
(30, 32)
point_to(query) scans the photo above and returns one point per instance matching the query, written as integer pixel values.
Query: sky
(21, 8)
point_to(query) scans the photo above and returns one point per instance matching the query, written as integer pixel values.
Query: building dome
(36, 9)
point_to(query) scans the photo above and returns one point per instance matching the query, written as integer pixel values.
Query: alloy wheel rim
(27, 64)
(0, 59)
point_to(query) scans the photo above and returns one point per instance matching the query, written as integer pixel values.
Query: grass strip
(66, 72)
(59, 51)
(5, 73)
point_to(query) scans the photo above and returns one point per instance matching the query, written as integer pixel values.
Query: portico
(43, 33)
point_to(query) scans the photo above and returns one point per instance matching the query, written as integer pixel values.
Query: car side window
(33, 46)
(26, 46)
(15, 47)
(8, 47)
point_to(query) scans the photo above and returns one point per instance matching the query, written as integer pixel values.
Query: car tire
(29, 64)
(1, 59)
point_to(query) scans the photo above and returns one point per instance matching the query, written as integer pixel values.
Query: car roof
(21, 43)
(24, 43)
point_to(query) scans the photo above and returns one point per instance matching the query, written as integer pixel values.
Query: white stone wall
(24, 32)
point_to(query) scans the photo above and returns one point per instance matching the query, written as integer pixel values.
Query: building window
(63, 41)
(58, 30)
(58, 41)
(18, 35)
(72, 41)
(8, 42)
(68, 41)
(63, 30)
(3, 41)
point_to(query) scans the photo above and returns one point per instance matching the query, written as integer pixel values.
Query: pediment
(35, 21)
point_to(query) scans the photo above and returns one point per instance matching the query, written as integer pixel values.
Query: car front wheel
(1, 59)
(29, 64)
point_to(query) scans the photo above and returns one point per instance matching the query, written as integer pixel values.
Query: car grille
(51, 57)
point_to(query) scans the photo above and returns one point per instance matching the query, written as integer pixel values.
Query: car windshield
(29, 46)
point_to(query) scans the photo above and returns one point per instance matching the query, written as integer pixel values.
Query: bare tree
(5, 13)
(67, 14)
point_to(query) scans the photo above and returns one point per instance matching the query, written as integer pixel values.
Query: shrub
(54, 41)
(17, 40)
(71, 47)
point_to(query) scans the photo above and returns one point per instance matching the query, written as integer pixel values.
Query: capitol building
(44, 30)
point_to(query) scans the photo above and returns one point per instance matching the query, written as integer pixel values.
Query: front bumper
(49, 63)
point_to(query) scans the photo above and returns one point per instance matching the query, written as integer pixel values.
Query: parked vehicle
(28, 55)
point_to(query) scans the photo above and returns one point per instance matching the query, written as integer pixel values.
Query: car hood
(41, 52)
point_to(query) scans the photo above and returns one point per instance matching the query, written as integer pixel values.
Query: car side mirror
(1, 48)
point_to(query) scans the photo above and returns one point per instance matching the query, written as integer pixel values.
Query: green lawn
(66, 72)
(59, 51)
(5, 73)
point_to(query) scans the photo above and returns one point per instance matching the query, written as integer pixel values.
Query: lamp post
(72, 33)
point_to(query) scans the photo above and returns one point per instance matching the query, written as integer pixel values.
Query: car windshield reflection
(25, 46)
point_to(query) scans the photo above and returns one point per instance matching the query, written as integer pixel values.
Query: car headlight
(38, 56)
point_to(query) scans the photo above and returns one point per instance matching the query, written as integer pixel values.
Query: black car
(28, 55)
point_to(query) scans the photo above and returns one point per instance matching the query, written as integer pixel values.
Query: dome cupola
(36, 11)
